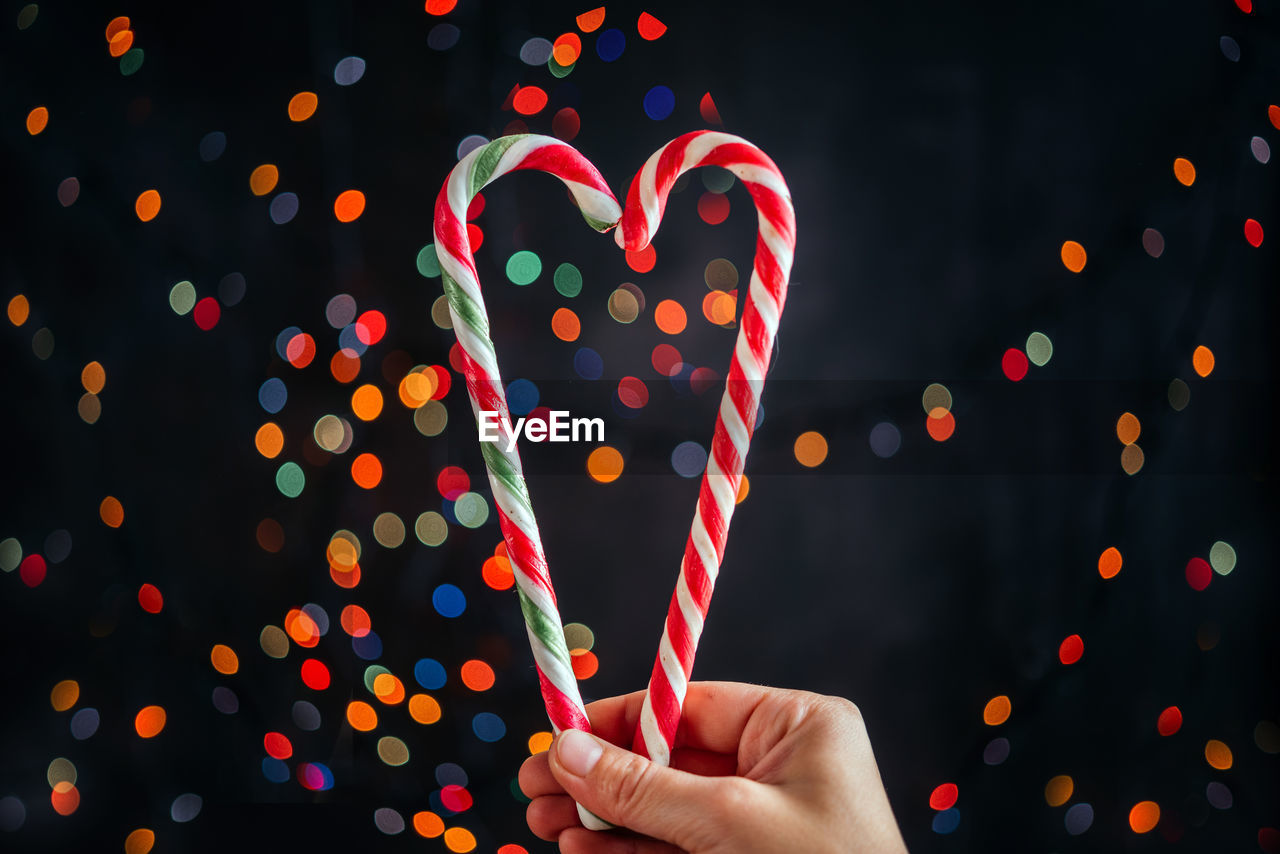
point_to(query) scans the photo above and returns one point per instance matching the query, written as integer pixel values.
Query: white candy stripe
(477, 345)
(701, 148)
(750, 173)
(594, 203)
(515, 155)
(648, 196)
(703, 546)
(721, 484)
(765, 306)
(672, 667)
(688, 607)
(754, 377)
(778, 245)
(654, 742)
(733, 424)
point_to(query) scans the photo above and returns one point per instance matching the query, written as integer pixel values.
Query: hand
(754, 769)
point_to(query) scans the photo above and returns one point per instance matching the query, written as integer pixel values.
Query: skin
(754, 769)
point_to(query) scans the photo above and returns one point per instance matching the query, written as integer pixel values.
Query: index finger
(714, 717)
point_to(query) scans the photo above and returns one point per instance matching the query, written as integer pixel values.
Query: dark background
(938, 155)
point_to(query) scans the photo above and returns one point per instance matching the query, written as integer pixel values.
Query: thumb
(627, 789)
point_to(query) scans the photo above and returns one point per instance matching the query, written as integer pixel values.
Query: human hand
(754, 769)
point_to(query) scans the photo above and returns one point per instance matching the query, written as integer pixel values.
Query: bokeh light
(997, 710)
(150, 721)
(810, 449)
(1058, 790)
(1073, 256)
(1169, 721)
(1218, 755)
(1203, 360)
(1184, 171)
(1144, 816)
(1109, 562)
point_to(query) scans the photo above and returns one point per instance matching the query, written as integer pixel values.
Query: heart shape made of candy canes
(646, 201)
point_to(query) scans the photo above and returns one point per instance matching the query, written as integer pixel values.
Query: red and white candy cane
(484, 386)
(775, 249)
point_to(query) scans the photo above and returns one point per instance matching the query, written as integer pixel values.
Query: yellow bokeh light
(1218, 755)
(1058, 790)
(64, 695)
(417, 387)
(264, 179)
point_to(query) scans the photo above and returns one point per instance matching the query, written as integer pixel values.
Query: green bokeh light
(568, 280)
(290, 480)
(131, 62)
(428, 263)
(471, 510)
(524, 267)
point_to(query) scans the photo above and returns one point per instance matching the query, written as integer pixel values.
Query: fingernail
(578, 752)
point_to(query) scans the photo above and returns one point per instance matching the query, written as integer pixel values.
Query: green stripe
(502, 469)
(484, 165)
(466, 307)
(597, 224)
(545, 629)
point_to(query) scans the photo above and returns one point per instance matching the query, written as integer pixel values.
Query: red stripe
(776, 211)
(679, 634)
(729, 154)
(634, 224)
(452, 232)
(565, 163)
(665, 708)
(560, 709)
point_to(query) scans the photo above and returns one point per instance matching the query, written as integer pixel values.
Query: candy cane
(775, 248)
(484, 386)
